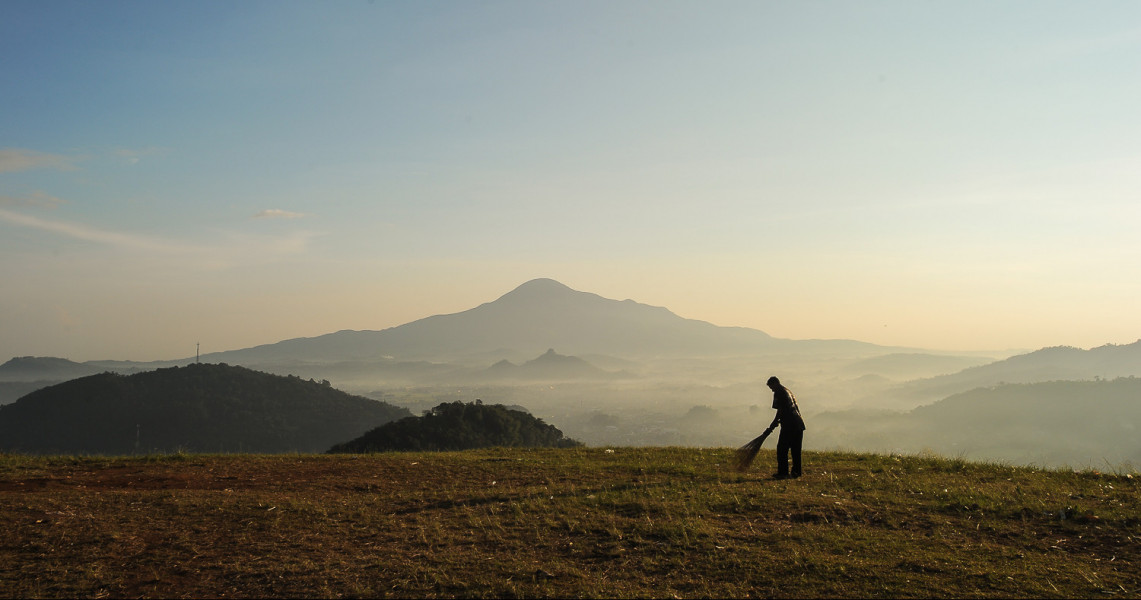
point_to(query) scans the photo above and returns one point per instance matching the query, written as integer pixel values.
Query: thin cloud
(132, 157)
(88, 233)
(236, 249)
(35, 199)
(276, 213)
(13, 160)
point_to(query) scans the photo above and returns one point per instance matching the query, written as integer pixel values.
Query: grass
(624, 522)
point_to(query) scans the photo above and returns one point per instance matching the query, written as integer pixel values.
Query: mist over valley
(621, 373)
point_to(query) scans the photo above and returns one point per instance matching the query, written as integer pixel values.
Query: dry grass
(627, 522)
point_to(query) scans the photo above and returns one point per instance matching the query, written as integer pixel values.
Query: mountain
(196, 408)
(538, 315)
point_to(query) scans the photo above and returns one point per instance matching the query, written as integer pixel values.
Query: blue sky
(946, 175)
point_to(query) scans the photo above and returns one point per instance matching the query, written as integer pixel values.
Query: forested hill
(196, 408)
(460, 426)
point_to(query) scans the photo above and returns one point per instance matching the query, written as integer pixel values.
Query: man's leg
(794, 446)
(783, 447)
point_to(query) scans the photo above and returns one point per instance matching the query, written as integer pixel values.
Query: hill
(43, 368)
(460, 426)
(562, 523)
(25, 374)
(551, 366)
(11, 391)
(197, 408)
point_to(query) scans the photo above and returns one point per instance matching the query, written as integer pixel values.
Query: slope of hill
(197, 408)
(11, 391)
(460, 426)
(1055, 423)
(913, 365)
(562, 523)
(1047, 364)
(23, 375)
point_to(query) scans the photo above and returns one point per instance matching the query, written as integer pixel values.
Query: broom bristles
(748, 452)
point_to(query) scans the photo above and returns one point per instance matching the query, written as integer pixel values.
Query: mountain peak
(539, 287)
(541, 292)
(552, 357)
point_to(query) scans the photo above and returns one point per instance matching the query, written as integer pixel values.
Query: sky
(942, 175)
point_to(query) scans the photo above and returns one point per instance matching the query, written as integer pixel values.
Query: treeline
(460, 426)
(196, 408)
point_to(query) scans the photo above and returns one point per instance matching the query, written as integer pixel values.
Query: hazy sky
(947, 175)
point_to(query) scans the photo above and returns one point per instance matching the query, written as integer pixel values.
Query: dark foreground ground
(627, 522)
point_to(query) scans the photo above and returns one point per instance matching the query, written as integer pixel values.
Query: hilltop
(196, 408)
(460, 426)
(587, 523)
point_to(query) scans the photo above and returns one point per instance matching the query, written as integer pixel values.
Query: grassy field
(626, 522)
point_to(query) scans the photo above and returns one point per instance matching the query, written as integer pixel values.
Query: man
(791, 429)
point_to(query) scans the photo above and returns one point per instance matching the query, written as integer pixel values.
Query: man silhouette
(791, 429)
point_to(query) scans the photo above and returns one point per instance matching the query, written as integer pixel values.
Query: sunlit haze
(942, 175)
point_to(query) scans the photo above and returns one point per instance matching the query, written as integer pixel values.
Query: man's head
(773, 383)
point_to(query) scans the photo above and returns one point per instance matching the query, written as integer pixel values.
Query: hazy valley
(621, 373)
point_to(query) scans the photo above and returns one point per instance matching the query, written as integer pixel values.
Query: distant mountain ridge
(913, 365)
(1057, 363)
(550, 366)
(1052, 423)
(542, 314)
(44, 368)
(537, 315)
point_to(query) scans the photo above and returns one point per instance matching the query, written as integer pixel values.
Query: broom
(746, 453)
